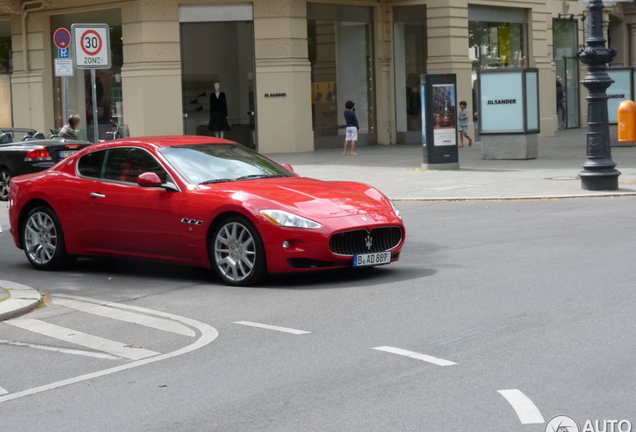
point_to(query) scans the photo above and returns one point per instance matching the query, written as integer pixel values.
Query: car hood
(314, 198)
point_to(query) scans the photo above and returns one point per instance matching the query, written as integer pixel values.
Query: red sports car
(203, 202)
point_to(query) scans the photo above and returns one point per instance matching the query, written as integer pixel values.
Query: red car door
(128, 219)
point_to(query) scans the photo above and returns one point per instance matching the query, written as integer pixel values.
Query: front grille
(364, 241)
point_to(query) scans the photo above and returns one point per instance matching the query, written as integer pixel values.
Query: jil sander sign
(502, 102)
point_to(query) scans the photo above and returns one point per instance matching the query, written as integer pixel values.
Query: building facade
(288, 66)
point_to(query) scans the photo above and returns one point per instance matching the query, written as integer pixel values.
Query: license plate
(66, 153)
(371, 259)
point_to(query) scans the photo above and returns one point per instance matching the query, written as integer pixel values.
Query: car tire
(5, 182)
(43, 240)
(237, 252)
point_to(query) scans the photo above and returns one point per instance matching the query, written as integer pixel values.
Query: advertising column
(439, 121)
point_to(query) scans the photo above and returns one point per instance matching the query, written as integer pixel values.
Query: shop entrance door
(218, 50)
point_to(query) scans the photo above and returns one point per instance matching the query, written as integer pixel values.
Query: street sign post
(92, 51)
(92, 46)
(63, 63)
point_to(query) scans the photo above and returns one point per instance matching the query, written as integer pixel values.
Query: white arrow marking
(271, 327)
(418, 356)
(527, 412)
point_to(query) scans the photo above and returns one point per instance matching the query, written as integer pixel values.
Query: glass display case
(508, 101)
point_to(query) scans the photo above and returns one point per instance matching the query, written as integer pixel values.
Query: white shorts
(351, 133)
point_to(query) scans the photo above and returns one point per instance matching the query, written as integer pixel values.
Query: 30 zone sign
(91, 46)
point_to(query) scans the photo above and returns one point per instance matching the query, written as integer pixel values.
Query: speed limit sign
(91, 46)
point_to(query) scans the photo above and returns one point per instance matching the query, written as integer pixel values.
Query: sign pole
(95, 119)
(65, 98)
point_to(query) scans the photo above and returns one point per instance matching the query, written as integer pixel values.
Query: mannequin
(218, 112)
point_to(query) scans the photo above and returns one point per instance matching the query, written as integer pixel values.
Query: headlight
(397, 212)
(286, 219)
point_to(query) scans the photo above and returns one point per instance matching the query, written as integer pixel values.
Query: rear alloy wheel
(237, 252)
(43, 240)
(5, 181)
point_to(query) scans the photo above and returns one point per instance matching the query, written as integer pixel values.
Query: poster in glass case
(444, 126)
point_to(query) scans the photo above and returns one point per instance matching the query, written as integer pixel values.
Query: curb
(520, 198)
(22, 299)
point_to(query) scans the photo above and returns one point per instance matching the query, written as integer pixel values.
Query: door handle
(97, 195)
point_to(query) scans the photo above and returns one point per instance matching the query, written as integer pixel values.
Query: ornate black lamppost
(599, 173)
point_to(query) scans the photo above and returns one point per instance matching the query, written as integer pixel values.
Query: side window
(90, 165)
(126, 163)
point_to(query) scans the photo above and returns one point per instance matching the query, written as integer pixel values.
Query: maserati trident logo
(369, 242)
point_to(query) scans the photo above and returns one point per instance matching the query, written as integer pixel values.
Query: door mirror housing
(288, 167)
(149, 179)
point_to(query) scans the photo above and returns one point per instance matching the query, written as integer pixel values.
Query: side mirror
(288, 167)
(149, 179)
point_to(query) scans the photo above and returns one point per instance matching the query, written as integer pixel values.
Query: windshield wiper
(223, 180)
(260, 176)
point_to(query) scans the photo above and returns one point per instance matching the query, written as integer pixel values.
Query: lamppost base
(599, 181)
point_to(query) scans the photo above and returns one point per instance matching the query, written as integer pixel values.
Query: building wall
(151, 75)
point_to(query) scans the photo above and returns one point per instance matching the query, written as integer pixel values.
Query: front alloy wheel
(43, 239)
(5, 181)
(237, 252)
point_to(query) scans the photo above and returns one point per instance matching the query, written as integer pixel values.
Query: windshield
(216, 163)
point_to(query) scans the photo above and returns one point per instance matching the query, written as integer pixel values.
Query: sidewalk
(20, 299)
(396, 171)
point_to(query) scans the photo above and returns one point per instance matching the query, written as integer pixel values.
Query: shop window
(496, 45)
(497, 37)
(565, 36)
(410, 55)
(108, 81)
(340, 44)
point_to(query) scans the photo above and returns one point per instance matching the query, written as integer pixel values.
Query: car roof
(172, 140)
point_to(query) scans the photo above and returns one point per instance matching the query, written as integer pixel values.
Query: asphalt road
(509, 313)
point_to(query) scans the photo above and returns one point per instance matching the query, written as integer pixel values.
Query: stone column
(283, 77)
(540, 57)
(151, 75)
(632, 44)
(447, 29)
(384, 79)
(32, 88)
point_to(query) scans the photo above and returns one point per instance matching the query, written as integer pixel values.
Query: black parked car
(33, 154)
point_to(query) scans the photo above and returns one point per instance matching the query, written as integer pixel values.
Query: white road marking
(208, 334)
(76, 337)
(271, 327)
(152, 322)
(3, 391)
(61, 350)
(418, 356)
(527, 412)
